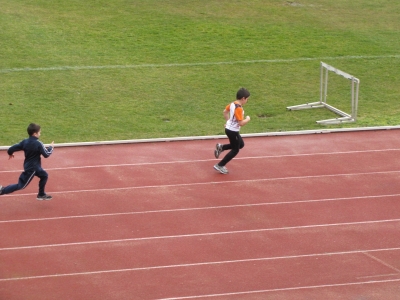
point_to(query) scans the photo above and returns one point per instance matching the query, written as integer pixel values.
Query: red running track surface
(298, 217)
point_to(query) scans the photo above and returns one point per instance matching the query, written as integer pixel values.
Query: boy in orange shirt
(234, 116)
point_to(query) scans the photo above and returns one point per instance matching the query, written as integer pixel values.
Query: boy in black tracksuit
(33, 149)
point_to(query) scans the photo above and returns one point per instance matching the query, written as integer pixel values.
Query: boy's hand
(10, 156)
(52, 144)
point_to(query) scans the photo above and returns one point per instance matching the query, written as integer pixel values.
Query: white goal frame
(345, 117)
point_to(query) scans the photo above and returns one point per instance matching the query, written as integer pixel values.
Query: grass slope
(117, 69)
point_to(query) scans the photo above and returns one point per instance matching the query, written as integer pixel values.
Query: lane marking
(211, 159)
(375, 276)
(199, 234)
(382, 262)
(201, 208)
(203, 264)
(284, 289)
(242, 181)
(198, 64)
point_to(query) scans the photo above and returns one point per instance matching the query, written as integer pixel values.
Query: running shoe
(44, 197)
(218, 150)
(1, 190)
(221, 169)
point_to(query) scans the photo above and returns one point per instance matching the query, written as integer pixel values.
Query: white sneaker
(218, 150)
(221, 169)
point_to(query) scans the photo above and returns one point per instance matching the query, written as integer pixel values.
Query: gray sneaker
(1, 190)
(218, 150)
(221, 169)
(44, 197)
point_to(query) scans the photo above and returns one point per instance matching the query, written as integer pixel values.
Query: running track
(298, 217)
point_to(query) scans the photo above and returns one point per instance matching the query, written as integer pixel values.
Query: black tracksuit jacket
(33, 149)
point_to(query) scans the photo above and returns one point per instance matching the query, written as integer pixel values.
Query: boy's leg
(222, 147)
(219, 148)
(24, 179)
(241, 143)
(226, 147)
(236, 143)
(42, 174)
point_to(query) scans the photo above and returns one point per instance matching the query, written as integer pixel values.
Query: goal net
(344, 117)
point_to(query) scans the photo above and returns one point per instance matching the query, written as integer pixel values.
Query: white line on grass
(211, 159)
(202, 208)
(152, 238)
(67, 68)
(204, 264)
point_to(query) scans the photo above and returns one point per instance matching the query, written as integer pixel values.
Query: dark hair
(33, 128)
(242, 92)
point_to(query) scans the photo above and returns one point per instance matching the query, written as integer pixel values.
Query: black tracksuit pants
(235, 144)
(25, 178)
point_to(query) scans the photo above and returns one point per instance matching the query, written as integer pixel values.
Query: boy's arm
(244, 122)
(226, 114)
(46, 151)
(239, 114)
(14, 148)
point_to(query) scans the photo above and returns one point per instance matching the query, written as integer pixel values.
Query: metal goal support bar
(345, 117)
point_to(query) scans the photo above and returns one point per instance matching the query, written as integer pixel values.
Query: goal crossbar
(344, 117)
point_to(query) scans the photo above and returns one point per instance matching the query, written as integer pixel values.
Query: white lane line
(198, 64)
(242, 181)
(203, 208)
(212, 159)
(376, 276)
(204, 264)
(201, 234)
(382, 262)
(310, 287)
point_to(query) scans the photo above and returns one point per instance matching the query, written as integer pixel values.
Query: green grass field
(111, 70)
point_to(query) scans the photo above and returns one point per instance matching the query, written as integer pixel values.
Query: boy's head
(242, 93)
(33, 128)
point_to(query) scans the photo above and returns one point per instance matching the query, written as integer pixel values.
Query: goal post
(344, 117)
